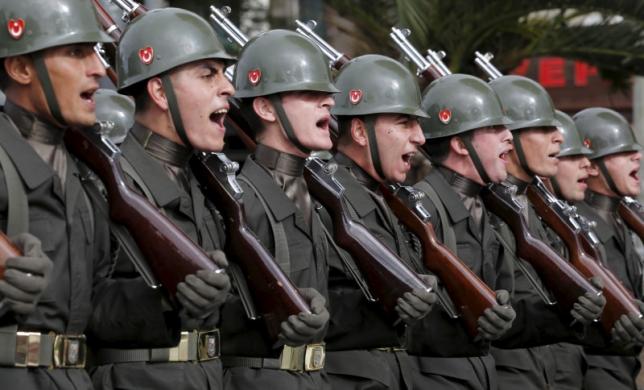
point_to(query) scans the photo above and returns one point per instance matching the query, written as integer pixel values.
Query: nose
(557, 137)
(584, 163)
(327, 101)
(227, 88)
(637, 156)
(506, 135)
(417, 136)
(95, 67)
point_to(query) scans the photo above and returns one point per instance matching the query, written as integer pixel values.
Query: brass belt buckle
(180, 352)
(292, 358)
(69, 351)
(209, 345)
(314, 357)
(27, 349)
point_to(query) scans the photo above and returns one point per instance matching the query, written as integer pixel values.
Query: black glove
(306, 328)
(589, 306)
(26, 276)
(496, 320)
(629, 329)
(413, 306)
(202, 293)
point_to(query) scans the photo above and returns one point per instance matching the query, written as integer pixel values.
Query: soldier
(117, 110)
(615, 163)
(172, 63)
(286, 91)
(468, 144)
(49, 74)
(536, 146)
(378, 109)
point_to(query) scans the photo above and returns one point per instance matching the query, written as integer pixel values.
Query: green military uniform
(279, 210)
(607, 132)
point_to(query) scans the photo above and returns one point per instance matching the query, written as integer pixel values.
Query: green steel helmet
(605, 131)
(117, 110)
(458, 103)
(375, 84)
(32, 25)
(281, 61)
(525, 102)
(572, 144)
(161, 40)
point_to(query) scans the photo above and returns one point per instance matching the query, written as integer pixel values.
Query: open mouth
(635, 174)
(407, 158)
(88, 95)
(218, 116)
(323, 124)
(553, 155)
(504, 156)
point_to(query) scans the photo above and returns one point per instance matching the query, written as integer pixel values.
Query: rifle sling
(449, 235)
(17, 203)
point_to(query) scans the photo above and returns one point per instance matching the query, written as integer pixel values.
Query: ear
(154, 87)
(264, 109)
(359, 132)
(20, 69)
(457, 146)
(593, 169)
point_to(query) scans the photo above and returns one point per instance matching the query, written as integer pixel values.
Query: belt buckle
(180, 352)
(69, 351)
(209, 345)
(27, 349)
(292, 358)
(314, 357)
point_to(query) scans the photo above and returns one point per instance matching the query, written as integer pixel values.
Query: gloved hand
(413, 306)
(496, 320)
(629, 329)
(589, 306)
(26, 276)
(203, 292)
(305, 328)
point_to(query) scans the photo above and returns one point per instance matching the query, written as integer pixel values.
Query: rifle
(632, 212)
(336, 59)
(471, 295)
(430, 67)
(271, 289)
(131, 9)
(387, 276)
(113, 30)
(169, 252)
(483, 61)
(562, 219)
(564, 281)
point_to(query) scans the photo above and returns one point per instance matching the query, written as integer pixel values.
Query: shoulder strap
(282, 255)
(449, 235)
(130, 171)
(18, 205)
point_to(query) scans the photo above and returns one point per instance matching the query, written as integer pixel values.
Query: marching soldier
(468, 145)
(285, 89)
(49, 74)
(171, 62)
(615, 163)
(378, 110)
(537, 143)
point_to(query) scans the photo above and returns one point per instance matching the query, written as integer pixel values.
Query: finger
(491, 317)
(31, 284)
(301, 328)
(188, 306)
(505, 312)
(404, 307)
(33, 265)
(318, 304)
(619, 332)
(193, 297)
(597, 299)
(313, 320)
(502, 297)
(597, 282)
(219, 257)
(631, 329)
(488, 328)
(402, 315)
(421, 301)
(589, 307)
(219, 281)
(12, 293)
(578, 317)
(290, 334)
(21, 307)
(29, 244)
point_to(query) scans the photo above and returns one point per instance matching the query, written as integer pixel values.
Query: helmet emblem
(445, 115)
(355, 95)
(16, 28)
(254, 76)
(146, 55)
(587, 143)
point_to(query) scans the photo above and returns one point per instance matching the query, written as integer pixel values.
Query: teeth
(222, 111)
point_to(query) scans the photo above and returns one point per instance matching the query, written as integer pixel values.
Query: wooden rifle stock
(7, 250)
(564, 281)
(632, 212)
(386, 275)
(470, 294)
(169, 252)
(619, 300)
(274, 293)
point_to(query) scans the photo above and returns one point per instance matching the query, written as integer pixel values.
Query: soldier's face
(310, 114)
(399, 137)
(571, 176)
(493, 144)
(624, 170)
(541, 146)
(74, 71)
(202, 92)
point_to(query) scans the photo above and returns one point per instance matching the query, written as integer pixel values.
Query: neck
(515, 169)
(463, 166)
(598, 185)
(159, 122)
(273, 136)
(31, 101)
(361, 157)
(602, 202)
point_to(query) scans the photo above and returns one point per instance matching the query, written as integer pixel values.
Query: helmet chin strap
(276, 101)
(556, 188)
(523, 162)
(607, 178)
(175, 114)
(47, 87)
(467, 141)
(370, 124)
